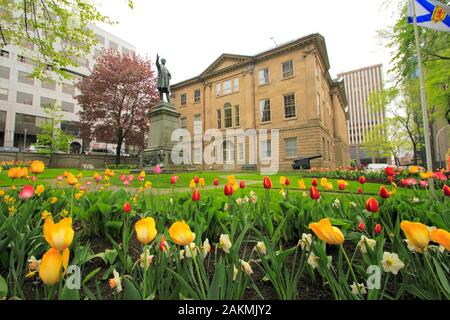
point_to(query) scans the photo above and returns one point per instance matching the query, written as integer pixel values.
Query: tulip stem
(145, 272)
(198, 271)
(351, 268)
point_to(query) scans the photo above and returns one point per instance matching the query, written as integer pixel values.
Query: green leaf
(3, 288)
(130, 291)
(91, 275)
(116, 225)
(69, 294)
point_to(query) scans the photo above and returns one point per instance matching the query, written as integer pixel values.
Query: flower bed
(230, 240)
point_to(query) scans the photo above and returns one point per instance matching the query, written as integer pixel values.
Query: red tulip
(216, 182)
(314, 182)
(26, 193)
(362, 180)
(361, 226)
(314, 193)
(242, 185)
(372, 205)
(384, 193)
(390, 172)
(446, 190)
(403, 182)
(341, 186)
(127, 207)
(360, 190)
(267, 183)
(196, 179)
(163, 244)
(378, 229)
(174, 179)
(228, 190)
(196, 195)
(287, 182)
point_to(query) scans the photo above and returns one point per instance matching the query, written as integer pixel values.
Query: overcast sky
(191, 34)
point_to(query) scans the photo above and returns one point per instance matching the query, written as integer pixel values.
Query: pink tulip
(157, 169)
(33, 178)
(84, 188)
(126, 183)
(130, 177)
(440, 176)
(26, 193)
(140, 178)
(423, 183)
(123, 177)
(60, 178)
(88, 183)
(410, 182)
(98, 179)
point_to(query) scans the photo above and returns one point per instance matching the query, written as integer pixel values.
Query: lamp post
(437, 143)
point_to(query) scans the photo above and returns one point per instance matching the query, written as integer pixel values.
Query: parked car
(43, 149)
(9, 149)
(376, 166)
(100, 152)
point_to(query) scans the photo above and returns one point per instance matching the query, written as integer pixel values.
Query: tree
(52, 138)
(115, 99)
(58, 30)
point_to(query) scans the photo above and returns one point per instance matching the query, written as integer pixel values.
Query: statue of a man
(164, 77)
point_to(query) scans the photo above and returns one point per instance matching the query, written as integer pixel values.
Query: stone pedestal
(163, 120)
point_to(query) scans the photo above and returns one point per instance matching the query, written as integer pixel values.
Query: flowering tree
(116, 98)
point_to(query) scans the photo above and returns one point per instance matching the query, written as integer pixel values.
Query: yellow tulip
(413, 169)
(39, 190)
(417, 234)
(328, 186)
(323, 182)
(145, 230)
(80, 175)
(52, 263)
(181, 234)
(71, 179)
(59, 235)
(301, 185)
(326, 232)
(192, 184)
(37, 167)
(201, 182)
(426, 175)
(442, 237)
(282, 180)
(53, 200)
(142, 174)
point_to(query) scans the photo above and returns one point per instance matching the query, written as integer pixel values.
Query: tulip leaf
(116, 225)
(90, 275)
(69, 294)
(3, 288)
(130, 291)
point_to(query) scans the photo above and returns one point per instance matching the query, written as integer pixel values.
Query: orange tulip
(14, 173)
(146, 230)
(442, 237)
(326, 232)
(51, 266)
(37, 167)
(72, 180)
(181, 233)
(417, 234)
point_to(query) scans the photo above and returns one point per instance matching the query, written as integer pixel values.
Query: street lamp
(437, 143)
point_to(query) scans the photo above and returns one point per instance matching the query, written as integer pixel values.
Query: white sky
(191, 34)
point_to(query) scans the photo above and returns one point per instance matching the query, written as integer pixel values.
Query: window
(113, 45)
(25, 78)
(264, 76)
(69, 89)
(237, 120)
(68, 106)
(100, 39)
(4, 72)
(290, 147)
(227, 87)
(4, 54)
(228, 115)
(197, 96)
(219, 119)
(228, 148)
(47, 101)
(198, 123)
(236, 85)
(218, 89)
(266, 149)
(3, 94)
(183, 123)
(183, 99)
(50, 85)
(241, 150)
(24, 98)
(289, 106)
(288, 69)
(265, 110)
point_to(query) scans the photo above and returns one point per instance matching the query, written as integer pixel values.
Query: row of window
(227, 87)
(113, 45)
(26, 78)
(290, 109)
(287, 71)
(27, 99)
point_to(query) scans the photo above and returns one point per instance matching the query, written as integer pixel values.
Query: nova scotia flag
(430, 14)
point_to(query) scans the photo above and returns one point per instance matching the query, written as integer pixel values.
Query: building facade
(22, 97)
(287, 88)
(360, 84)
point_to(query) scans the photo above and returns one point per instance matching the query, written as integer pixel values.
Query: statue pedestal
(163, 120)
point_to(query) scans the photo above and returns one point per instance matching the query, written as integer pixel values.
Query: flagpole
(426, 129)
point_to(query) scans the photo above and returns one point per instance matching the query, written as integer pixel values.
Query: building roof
(242, 60)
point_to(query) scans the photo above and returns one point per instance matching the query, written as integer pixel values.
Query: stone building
(287, 88)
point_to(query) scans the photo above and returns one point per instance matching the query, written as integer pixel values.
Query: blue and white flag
(430, 14)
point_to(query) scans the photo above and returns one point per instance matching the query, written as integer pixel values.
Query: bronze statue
(164, 77)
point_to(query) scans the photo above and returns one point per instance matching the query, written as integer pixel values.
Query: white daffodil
(225, 242)
(415, 200)
(246, 267)
(190, 250)
(206, 248)
(238, 201)
(353, 204)
(362, 288)
(391, 263)
(336, 203)
(225, 207)
(366, 242)
(413, 248)
(261, 248)
(306, 241)
(313, 260)
(149, 259)
(33, 264)
(253, 197)
(116, 282)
